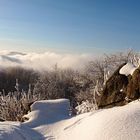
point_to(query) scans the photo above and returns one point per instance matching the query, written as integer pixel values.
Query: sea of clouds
(42, 61)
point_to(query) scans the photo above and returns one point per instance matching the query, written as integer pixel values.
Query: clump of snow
(127, 69)
(50, 119)
(121, 90)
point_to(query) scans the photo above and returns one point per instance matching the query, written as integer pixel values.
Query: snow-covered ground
(49, 120)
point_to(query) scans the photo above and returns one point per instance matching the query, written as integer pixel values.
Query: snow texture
(49, 120)
(17, 131)
(127, 69)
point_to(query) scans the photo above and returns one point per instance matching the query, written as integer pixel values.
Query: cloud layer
(42, 61)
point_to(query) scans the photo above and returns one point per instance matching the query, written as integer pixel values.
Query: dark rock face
(119, 88)
(2, 120)
(133, 87)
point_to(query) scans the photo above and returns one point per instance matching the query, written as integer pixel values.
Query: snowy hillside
(49, 120)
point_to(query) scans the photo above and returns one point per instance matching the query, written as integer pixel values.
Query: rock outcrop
(2, 120)
(120, 89)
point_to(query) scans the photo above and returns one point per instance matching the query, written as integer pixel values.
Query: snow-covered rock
(48, 111)
(111, 94)
(128, 69)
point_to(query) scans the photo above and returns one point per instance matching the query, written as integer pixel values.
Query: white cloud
(42, 61)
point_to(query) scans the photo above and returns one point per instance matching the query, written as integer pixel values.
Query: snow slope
(49, 120)
(119, 123)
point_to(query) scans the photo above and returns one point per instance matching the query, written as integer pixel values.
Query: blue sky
(72, 26)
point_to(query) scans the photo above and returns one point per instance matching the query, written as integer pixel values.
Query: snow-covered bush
(56, 84)
(16, 104)
(86, 106)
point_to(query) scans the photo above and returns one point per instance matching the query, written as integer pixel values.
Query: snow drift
(50, 119)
